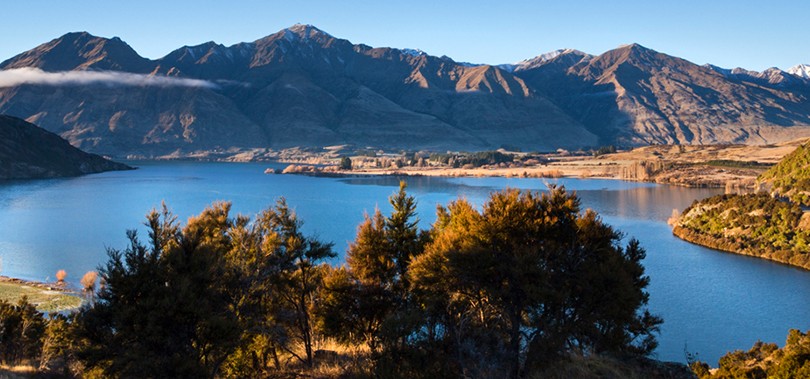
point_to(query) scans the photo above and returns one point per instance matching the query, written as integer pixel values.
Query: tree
(298, 269)
(57, 346)
(163, 309)
(359, 300)
(372, 294)
(346, 164)
(402, 232)
(21, 331)
(531, 277)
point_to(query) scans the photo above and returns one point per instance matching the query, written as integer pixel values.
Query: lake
(711, 302)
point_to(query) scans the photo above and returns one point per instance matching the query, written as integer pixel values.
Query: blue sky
(750, 34)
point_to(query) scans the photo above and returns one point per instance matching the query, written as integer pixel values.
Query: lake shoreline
(717, 244)
(734, 167)
(47, 297)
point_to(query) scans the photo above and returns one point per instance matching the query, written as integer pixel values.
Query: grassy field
(45, 300)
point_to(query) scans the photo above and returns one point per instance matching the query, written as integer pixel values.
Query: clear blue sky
(750, 34)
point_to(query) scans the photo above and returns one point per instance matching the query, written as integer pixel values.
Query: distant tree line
(505, 291)
(603, 150)
(476, 159)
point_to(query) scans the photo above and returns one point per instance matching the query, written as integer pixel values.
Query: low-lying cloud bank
(28, 75)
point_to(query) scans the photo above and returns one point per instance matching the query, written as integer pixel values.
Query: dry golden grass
(332, 360)
(19, 371)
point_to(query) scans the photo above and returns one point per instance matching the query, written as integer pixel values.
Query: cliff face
(28, 152)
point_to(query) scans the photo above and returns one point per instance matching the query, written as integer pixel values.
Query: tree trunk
(514, 344)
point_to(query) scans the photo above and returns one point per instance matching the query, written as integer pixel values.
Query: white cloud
(28, 75)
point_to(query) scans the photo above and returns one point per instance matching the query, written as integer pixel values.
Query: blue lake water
(711, 302)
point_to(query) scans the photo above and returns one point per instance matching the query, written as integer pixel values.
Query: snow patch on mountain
(802, 71)
(718, 69)
(539, 60)
(772, 75)
(413, 52)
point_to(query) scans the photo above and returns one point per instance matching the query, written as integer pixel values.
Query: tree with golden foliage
(528, 278)
(61, 275)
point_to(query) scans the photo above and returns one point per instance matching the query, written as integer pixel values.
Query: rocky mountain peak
(82, 51)
(801, 70)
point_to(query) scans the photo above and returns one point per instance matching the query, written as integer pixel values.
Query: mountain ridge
(302, 86)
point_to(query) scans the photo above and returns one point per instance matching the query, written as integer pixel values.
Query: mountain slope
(28, 152)
(634, 95)
(304, 87)
(299, 86)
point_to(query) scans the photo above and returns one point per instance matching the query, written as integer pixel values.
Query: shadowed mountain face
(304, 87)
(28, 152)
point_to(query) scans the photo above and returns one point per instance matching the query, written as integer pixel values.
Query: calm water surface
(711, 302)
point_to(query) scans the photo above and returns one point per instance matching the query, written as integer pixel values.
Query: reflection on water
(710, 301)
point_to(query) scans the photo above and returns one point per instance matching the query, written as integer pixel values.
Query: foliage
(88, 281)
(752, 224)
(57, 346)
(21, 328)
(345, 164)
(476, 159)
(363, 300)
(162, 310)
(514, 289)
(61, 275)
(219, 292)
(609, 149)
(527, 279)
(763, 360)
(791, 176)
(737, 164)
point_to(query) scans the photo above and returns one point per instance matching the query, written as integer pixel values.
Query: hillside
(771, 226)
(755, 224)
(304, 87)
(28, 152)
(791, 177)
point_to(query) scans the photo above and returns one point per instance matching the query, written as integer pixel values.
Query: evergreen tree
(346, 164)
(367, 302)
(529, 278)
(298, 268)
(162, 310)
(21, 331)
(402, 232)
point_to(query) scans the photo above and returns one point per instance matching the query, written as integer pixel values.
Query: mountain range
(303, 87)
